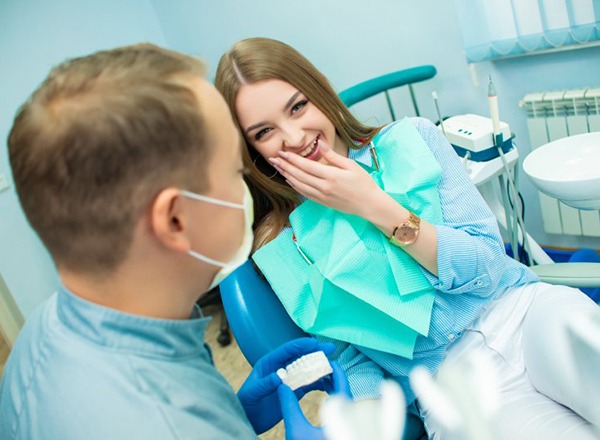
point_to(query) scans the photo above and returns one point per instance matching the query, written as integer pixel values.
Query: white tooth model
(305, 370)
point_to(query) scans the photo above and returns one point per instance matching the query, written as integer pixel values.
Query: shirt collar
(361, 155)
(132, 333)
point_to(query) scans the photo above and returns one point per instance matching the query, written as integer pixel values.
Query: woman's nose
(293, 139)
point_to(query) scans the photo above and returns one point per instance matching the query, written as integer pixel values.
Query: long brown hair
(258, 59)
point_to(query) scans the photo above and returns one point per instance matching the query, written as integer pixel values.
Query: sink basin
(568, 169)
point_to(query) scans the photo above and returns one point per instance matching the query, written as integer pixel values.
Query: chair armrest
(569, 274)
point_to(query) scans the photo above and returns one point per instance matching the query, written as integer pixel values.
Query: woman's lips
(315, 153)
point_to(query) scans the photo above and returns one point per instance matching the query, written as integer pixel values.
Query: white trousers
(523, 334)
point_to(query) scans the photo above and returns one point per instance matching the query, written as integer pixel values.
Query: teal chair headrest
(373, 86)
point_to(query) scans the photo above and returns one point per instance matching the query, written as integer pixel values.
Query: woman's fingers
(304, 189)
(315, 168)
(333, 158)
(328, 183)
(291, 172)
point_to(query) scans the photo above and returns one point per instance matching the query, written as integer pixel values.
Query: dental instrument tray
(471, 137)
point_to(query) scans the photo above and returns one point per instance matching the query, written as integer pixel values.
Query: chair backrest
(257, 318)
(383, 83)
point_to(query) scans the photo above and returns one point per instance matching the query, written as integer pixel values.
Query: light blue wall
(349, 40)
(34, 36)
(352, 40)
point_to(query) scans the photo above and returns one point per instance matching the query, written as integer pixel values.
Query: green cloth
(356, 286)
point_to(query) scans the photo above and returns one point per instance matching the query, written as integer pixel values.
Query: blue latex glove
(297, 427)
(258, 394)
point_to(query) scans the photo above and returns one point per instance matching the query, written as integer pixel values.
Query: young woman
(302, 143)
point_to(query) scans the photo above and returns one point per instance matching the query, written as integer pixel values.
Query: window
(494, 29)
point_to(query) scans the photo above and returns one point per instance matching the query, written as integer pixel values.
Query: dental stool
(260, 323)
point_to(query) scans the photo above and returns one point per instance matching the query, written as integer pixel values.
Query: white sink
(568, 169)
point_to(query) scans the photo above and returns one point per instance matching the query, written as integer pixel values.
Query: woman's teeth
(310, 150)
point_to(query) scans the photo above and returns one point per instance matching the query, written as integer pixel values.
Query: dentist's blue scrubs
(81, 371)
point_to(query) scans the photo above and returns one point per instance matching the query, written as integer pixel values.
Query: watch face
(405, 234)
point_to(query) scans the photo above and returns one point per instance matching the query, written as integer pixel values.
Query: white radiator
(551, 116)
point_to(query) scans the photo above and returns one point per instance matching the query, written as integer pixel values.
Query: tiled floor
(232, 364)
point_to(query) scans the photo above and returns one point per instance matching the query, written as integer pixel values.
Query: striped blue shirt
(473, 268)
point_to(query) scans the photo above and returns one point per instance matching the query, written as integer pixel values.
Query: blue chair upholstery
(257, 318)
(260, 323)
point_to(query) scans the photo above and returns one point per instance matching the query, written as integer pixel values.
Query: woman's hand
(340, 183)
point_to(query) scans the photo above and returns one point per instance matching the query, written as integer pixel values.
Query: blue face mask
(246, 247)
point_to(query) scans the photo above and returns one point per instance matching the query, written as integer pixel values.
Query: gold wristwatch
(406, 232)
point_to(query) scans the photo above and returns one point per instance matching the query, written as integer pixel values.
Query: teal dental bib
(338, 276)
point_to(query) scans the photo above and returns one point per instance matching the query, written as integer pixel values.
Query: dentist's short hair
(98, 140)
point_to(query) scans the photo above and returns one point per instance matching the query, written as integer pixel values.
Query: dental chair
(260, 323)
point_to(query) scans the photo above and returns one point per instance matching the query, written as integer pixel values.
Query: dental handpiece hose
(512, 229)
(498, 142)
(494, 114)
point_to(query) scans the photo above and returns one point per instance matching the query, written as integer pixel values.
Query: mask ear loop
(254, 162)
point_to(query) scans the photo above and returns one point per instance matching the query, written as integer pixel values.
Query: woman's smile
(312, 151)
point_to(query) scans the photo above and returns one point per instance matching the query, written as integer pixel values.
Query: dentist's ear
(168, 220)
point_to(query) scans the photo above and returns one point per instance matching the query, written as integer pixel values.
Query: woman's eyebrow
(291, 100)
(255, 126)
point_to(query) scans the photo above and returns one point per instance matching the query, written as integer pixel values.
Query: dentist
(128, 166)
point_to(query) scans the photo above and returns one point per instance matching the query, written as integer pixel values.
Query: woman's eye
(261, 133)
(299, 105)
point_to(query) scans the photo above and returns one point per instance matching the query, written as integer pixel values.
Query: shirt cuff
(462, 263)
